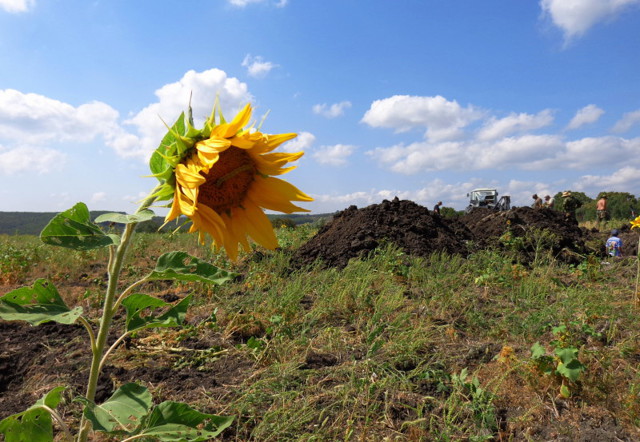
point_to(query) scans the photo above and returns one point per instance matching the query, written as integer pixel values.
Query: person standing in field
(548, 202)
(436, 208)
(614, 244)
(569, 205)
(537, 201)
(601, 209)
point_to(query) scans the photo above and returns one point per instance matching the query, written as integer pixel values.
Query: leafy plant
(129, 413)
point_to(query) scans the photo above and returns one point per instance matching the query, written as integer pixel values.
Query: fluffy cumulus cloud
(506, 143)
(256, 66)
(17, 6)
(587, 115)
(499, 127)
(30, 124)
(625, 179)
(335, 155)
(575, 17)
(333, 110)
(302, 142)
(442, 119)
(627, 121)
(35, 123)
(199, 88)
(29, 159)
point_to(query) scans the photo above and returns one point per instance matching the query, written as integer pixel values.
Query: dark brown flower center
(228, 180)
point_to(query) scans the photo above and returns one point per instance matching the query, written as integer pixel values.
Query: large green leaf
(35, 423)
(175, 421)
(569, 366)
(138, 303)
(73, 229)
(139, 217)
(122, 412)
(184, 267)
(37, 304)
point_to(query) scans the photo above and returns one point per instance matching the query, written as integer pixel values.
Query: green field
(392, 348)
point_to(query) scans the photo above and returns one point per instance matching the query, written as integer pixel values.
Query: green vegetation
(443, 348)
(32, 223)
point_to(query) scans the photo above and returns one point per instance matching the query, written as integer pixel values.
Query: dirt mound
(525, 230)
(356, 232)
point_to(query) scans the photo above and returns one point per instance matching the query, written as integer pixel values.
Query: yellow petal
(252, 220)
(274, 194)
(189, 177)
(228, 130)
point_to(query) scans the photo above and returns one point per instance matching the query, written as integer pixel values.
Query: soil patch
(355, 233)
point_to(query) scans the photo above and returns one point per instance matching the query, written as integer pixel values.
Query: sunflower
(635, 223)
(222, 177)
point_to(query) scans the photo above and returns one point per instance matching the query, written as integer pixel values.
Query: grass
(395, 347)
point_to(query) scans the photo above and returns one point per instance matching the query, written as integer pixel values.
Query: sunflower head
(222, 177)
(635, 223)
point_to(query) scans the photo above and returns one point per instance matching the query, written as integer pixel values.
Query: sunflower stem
(116, 260)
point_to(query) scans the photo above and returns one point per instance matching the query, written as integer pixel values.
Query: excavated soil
(357, 232)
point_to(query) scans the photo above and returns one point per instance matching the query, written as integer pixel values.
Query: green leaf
(137, 303)
(139, 217)
(123, 412)
(73, 229)
(37, 304)
(158, 164)
(569, 367)
(35, 423)
(181, 266)
(175, 421)
(538, 351)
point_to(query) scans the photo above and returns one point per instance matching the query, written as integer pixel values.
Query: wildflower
(221, 178)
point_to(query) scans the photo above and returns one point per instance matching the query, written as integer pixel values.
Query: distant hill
(32, 223)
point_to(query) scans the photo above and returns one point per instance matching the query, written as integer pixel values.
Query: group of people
(570, 204)
(538, 203)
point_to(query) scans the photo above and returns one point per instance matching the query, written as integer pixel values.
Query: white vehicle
(487, 198)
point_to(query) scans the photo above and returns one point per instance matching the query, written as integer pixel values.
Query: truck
(488, 198)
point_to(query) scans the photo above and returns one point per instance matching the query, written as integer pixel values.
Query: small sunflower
(222, 177)
(635, 223)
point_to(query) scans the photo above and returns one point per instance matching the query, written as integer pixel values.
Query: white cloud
(442, 119)
(99, 197)
(498, 128)
(335, 155)
(331, 111)
(303, 142)
(257, 67)
(16, 6)
(30, 160)
(513, 152)
(36, 119)
(598, 151)
(575, 17)
(202, 87)
(587, 115)
(627, 121)
(626, 179)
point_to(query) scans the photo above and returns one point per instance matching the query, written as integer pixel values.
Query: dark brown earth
(357, 232)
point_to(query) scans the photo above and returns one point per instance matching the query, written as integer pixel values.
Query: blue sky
(420, 99)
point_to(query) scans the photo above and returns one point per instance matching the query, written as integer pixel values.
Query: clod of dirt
(357, 232)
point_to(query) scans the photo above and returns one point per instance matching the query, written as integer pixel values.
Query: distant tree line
(32, 223)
